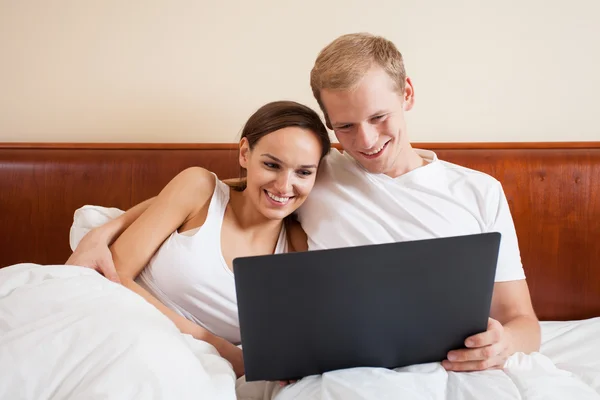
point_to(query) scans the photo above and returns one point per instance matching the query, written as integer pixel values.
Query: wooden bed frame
(553, 191)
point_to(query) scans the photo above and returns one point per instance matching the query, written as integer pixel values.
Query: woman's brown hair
(278, 115)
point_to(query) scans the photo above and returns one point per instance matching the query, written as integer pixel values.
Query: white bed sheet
(566, 368)
(68, 333)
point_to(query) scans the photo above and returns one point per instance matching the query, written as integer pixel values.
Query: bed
(65, 332)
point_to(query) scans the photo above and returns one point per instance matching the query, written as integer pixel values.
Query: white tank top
(189, 275)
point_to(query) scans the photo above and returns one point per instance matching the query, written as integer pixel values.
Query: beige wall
(193, 71)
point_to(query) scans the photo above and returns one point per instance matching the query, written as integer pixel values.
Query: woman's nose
(283, 183)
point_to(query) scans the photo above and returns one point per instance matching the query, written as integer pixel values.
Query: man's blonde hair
(343, 62)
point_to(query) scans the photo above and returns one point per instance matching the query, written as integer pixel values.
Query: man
(382, 190)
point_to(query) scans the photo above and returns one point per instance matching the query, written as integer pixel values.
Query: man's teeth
(376, 151)
(277, 198)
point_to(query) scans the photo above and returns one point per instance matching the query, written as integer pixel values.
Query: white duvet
(567, 367)
(68, 333)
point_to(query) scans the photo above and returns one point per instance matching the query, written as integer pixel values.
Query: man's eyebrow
(378, 113)
(272, 157)
(336, 124)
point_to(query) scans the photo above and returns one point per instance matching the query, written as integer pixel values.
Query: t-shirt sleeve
(509, 267)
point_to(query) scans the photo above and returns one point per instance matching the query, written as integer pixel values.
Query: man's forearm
(524, 333)
(110, 231)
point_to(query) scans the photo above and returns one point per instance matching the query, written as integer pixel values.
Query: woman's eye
(305, 172)
(377, 118)
(271, 165)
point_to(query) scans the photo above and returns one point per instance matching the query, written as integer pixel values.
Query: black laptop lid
(387, 305)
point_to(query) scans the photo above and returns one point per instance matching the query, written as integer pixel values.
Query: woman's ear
(244, 152)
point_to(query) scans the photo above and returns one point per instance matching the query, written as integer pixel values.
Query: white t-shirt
(351, 207)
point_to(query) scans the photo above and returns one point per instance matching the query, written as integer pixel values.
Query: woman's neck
(249, 218)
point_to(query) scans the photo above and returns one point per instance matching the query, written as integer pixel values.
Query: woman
(178, 253)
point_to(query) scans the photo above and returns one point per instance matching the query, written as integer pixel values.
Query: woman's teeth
(278, 199)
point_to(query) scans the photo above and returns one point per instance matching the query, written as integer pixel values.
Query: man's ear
(244, 152)
(409, 95)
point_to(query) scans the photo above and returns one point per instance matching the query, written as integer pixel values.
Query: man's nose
(366, 137)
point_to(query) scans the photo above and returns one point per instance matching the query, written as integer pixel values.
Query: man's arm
(511, 306)
(513, 327)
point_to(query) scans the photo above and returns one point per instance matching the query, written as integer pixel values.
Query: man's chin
(373, 167)
(385, 164)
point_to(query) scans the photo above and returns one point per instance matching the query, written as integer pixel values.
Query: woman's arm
(187, 194)
(92, 251)
(138, 234)
(180, 200)
(113, 229)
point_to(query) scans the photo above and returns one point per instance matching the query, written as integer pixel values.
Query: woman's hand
(93, 252)
(285, 383)
(231, 353)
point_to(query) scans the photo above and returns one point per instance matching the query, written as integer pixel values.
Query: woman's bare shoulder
(194, 182)
(297, 239)
(193, 187)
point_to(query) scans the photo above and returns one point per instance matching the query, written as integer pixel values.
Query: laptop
(385, 305)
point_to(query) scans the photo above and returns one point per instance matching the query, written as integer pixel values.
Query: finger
(477, 354)
(75, 261)
(470, 366)
(489, 337)
(494, 324)
(108, 269)
(285, 383)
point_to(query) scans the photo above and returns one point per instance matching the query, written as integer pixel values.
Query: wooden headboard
(553, 191)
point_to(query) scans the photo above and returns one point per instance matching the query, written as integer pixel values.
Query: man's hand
(487, 350)
(93, 252)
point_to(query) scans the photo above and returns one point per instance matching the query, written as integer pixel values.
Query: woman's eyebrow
(272, 157)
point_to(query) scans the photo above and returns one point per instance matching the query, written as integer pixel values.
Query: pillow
(89, 217)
